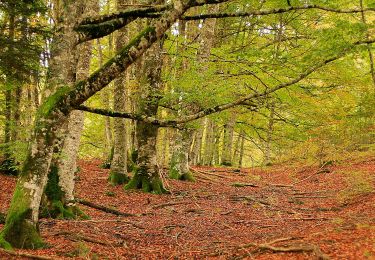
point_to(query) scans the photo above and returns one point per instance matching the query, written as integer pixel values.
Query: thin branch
(274, 11)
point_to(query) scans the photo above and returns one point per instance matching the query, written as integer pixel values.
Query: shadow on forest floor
(279, 212)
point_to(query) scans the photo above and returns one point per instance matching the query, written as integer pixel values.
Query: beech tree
(21, 227)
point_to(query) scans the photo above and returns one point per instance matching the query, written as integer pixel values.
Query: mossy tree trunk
(179, 164)
(59, 199)
(118, 172)
(21, 228)
(146, 175)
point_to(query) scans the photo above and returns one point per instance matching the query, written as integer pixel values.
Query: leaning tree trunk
(59, 192)
(118, 172)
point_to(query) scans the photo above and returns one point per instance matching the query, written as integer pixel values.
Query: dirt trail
(225, 214)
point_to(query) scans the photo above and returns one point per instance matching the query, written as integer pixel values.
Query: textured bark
(197, 147)
(209, 143)
(179, 164)
(63, 166)
(105, 100)
(146, 176)
(118, 173)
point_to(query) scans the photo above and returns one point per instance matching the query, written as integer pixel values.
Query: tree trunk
(118, 173)
(104, 95)
(179, 164)
(228, 142)
(242, 149)
(146, 174)
(59, 199)
(271, 121)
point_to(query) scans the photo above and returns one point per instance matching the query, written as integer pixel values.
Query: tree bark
(118, 173)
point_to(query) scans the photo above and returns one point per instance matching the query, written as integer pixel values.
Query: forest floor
(306, 211)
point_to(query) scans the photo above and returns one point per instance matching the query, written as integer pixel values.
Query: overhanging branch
(219, 108)
(100, 26)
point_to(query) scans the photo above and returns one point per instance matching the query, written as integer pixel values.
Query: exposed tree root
(37, 257)
(152, 184)
(295, 248)
(79, 237)
(105, 209)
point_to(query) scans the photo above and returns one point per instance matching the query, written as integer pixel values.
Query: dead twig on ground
(241, 184)
(105, 209)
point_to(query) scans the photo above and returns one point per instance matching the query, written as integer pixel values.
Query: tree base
(59, 211)
(175, 175)
(146, 183)
(116, 178)
(228, 164)
(20, 233)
